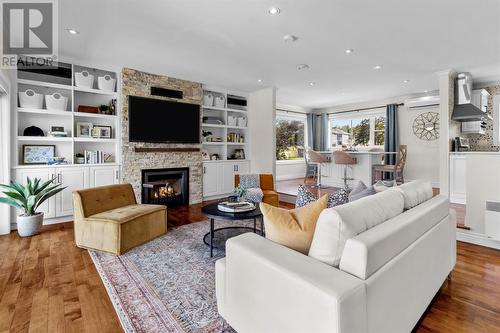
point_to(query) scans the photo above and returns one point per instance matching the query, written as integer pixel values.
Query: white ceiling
(233, 43)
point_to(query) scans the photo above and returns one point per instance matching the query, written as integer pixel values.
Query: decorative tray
(235, 207)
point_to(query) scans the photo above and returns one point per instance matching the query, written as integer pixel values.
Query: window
(353, 130)
(290, 136)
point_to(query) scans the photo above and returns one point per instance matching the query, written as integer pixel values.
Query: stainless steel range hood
(464, 110)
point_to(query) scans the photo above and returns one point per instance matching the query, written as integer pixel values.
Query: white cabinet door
(458, 189)
(104, 175)
(242, 167)
(228, 171)
(210, 179)
(48, 207)
(73, 179)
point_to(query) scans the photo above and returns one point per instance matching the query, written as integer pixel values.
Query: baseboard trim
(55, 220)
(290, 176)
(478, 239)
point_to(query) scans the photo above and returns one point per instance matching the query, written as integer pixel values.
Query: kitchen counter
(475, 153)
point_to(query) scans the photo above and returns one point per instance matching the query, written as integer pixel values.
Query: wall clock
(426, 126)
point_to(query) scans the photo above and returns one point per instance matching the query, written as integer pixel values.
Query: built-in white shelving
(74, 143)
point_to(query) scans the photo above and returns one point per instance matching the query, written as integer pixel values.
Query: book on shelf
(96, 157)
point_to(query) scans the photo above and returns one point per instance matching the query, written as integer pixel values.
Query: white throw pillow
(336, 225)
(416, 192)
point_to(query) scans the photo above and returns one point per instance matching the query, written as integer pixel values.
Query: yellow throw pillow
(293, 228)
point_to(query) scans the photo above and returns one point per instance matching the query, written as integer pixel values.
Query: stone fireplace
(169, 187)
(138, 156)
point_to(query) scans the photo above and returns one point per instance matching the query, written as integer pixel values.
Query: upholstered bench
(108, 218)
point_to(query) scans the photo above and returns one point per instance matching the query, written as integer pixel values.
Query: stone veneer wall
(139, 84)
(484, 142)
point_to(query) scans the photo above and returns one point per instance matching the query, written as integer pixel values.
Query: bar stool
(317, 159)
(343, 158)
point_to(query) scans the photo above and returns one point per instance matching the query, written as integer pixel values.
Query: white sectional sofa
(387, 275)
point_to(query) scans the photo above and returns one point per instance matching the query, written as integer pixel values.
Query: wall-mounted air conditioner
(422, 102)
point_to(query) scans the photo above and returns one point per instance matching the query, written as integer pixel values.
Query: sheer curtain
(311, 129)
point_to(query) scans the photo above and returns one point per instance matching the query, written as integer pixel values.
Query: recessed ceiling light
(274, 10)
(348, 51)
(73, 31)
(259, 80)
(377, 67)
(311, 84)
(290, 38)
(406, 81)
(301, 67)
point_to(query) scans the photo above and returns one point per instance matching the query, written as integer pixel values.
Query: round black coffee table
(225, 233)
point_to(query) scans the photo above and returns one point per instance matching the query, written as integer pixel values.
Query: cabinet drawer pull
(117, 175)
(204, 170)
(59, 178)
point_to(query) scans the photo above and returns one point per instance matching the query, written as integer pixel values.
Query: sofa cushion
(416, 192)
(360, 191)
(126, 213)
(292, 228)
(305, 197)
(365, 253)
(336, 225)
(382, 185)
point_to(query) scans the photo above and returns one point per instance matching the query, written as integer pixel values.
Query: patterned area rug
(166, 285)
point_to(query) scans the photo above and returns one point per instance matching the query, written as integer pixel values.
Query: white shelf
(45, 111)
(44, 84)
(95, 91)
(214, 143)
(236, 143)
(237, 127)
(44, 138)
(69, 165)
(222, 109)
(225, 160)
(213, 125)
(94, 115)
(101, 140)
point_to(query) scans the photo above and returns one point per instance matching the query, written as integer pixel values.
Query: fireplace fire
(165, 186)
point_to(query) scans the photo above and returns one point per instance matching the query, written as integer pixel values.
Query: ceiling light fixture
(274, 10)
(301, 67)
(259, 80)
(73, 31)
(377, 67)
(311, 84)
(406, 81)
(290, 38)
(348, 51)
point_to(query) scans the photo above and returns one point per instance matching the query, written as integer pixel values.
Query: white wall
(5, 126)
(423, 156)
(262, 129)
(290, 169)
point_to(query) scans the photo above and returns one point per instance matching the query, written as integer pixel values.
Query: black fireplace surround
(169, 187)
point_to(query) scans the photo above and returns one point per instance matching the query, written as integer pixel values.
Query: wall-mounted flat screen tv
(157, 120)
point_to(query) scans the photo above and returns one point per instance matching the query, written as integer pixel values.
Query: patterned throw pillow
(305, 197)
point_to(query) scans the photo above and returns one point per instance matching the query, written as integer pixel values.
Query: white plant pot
(84, 79)
(30, 99)
(56, 101)
(106, 82)
(29, 225)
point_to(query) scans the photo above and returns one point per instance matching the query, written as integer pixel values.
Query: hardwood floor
(49, 285)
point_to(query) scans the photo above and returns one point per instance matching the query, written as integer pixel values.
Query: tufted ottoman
(108, 218)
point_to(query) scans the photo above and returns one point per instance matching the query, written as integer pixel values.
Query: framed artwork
(38, 154)
(105, 131)
(95, 132)
(83, 130)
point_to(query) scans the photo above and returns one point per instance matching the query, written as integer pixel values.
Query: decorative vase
(29, 225)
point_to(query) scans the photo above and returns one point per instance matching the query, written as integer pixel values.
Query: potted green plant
(240, 192)
(28, 198)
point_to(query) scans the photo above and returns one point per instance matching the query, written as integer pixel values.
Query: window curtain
(323, 139)
(391, 134)
(311, 129)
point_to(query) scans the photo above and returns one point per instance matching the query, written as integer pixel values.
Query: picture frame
(83, 130)
(38, 154)
(95, 132)
(105, 131)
